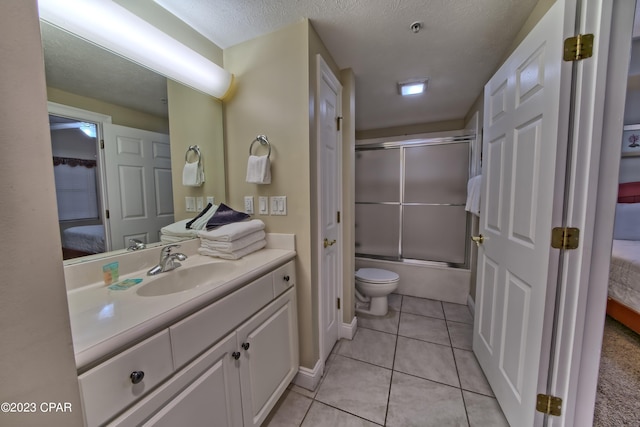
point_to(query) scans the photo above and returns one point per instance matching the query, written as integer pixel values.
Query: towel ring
(262, 139)
(196, 150)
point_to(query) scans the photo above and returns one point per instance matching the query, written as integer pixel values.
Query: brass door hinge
(549, 405)
(338, 303)
(106, 213)
(338, 121)
(565, 238)
(102, 144)
(338, 217)
(578, 47)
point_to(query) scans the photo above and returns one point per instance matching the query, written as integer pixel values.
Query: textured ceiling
(458, 49)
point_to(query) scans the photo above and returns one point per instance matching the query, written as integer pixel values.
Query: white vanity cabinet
(231, 362)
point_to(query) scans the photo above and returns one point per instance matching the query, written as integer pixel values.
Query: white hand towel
(234, 255)
(473, 195)
(259, 170)
(192, 175)
(230, 232)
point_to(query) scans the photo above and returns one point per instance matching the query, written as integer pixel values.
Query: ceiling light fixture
(412, 87)
(112, 27)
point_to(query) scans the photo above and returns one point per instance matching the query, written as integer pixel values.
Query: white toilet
(373, 285)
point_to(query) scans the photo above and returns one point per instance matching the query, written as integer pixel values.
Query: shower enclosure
(410, 200)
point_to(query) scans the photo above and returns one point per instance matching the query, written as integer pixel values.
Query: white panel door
(330, 190)
(520, 177)
(139, 191)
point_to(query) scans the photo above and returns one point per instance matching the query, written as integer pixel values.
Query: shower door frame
(401, 144)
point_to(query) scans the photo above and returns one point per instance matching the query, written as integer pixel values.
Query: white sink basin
(185, 278)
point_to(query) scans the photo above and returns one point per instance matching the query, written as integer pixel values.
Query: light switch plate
(278, 205)
(199, 203)
(263, 202)
(248, 205)
(190, 204)
(209, 199)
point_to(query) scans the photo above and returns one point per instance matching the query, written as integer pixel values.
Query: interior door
(522, 106)
(139, 190)
(329, 172)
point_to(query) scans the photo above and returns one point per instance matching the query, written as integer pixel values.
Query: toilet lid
(376, 275)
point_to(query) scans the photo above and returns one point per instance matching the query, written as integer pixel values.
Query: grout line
(393, 365)
(368, 363)
(307, 412)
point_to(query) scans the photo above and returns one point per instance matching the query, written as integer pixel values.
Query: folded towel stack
(233, 241)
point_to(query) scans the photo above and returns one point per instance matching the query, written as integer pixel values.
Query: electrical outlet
(264, 205)
(190, 204)
(278, 205)
(209, 199)
(248, 205)
(199, 204)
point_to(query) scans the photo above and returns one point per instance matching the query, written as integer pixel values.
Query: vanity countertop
(104, 321)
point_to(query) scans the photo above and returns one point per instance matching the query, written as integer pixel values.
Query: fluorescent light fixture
(412, 87)
(114, 28)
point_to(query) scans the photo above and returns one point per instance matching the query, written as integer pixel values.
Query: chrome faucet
(167, 260)
(135, 244)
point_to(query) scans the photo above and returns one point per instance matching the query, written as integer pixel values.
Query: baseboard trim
(309, 378)
(348, 330)
(472, 306)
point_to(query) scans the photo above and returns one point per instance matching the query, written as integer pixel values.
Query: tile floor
(413, 367)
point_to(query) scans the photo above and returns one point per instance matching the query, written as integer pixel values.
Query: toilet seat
(376, 275)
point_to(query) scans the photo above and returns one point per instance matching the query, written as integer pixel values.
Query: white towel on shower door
(473, 195)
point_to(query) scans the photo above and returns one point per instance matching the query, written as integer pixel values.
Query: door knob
(328, 243)
(478, 240)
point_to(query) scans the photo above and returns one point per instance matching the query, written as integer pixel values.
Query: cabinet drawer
(283, 278)
(199, 331)
(108, 388)
(205, 392)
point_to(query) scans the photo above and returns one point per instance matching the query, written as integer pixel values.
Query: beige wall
(119, 115)
(272, 98)
(276, 76)
(36, 354)
(195, 119)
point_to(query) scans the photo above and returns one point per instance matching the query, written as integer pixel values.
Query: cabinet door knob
(136, 376)
(235, 355)
(286, 278)
(245, 345)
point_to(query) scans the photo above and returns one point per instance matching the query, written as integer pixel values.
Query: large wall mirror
(96, 95)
